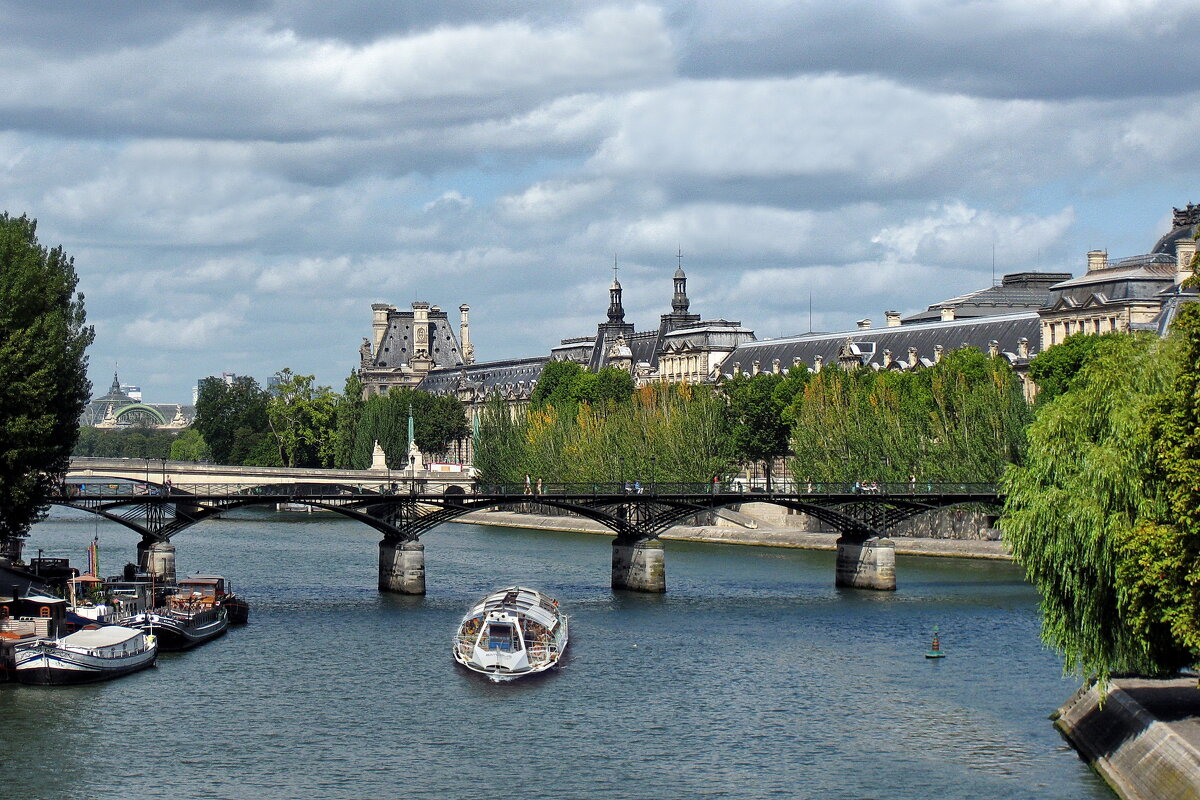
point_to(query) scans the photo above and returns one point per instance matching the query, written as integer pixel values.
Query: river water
(753, 677)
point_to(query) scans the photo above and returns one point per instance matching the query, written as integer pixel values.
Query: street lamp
(653, 475)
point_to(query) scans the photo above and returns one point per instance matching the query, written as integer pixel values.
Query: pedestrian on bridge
(527, 489)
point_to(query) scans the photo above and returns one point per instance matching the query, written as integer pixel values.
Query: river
(753, 677)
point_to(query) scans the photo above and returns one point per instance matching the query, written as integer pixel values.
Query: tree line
(294, 423)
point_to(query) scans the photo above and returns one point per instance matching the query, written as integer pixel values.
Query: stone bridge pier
(868, 563)
(639, 566)
(402, 566)
(157, 558)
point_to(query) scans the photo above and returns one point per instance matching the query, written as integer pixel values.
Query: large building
(119, 409)
(1135, 293)
(419, 348)
(1016, 319)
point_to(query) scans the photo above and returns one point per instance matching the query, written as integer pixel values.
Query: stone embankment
(764, 534)
(1143, 737)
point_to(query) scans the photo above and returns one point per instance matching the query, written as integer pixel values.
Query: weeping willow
(1086, 485)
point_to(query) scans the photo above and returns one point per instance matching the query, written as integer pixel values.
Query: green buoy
(936, 650)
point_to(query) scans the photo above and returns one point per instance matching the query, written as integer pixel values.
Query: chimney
(818, 362)
(737, 368)
(887, 358)
(893, 318)
(912, 358)
(1097, 259)
(379, 322)
(993, 348)
(797, 361)
(754, 370)
(1023, 347)
(864, 324)
(947, 313)
(1185, 249)
(937, 354)
(420, 329)
(775, 367)
(464, 335)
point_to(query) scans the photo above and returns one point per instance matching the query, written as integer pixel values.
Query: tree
(1158, 571)
(438, 423)
(302, 419)
(1054, 369)
(232, 418)
(189, 446)
(349, 416)
(1088, 482)
(554, 385)
(760, 433)
(43, 374)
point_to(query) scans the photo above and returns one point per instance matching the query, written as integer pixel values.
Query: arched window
(44, 612)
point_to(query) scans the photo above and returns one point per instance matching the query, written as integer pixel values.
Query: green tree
(303, 420)
(438, 423)
(43, 374)
(557, 384)
(1086, 483)
(1054, 369)
(349, 417)
(232, 418)
(189, 445)
(760, 432)
(1158, 572)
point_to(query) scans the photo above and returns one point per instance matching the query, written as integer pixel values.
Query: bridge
(160, 500)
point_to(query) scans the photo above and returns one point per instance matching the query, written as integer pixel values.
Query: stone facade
(1129, 294)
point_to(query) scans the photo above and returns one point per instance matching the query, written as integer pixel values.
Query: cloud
(240, 181)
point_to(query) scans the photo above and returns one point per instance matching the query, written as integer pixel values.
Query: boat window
(44, 612)
(502, 637)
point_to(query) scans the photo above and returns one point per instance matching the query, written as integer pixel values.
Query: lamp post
(653, 475)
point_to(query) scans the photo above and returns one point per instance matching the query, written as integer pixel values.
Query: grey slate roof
(1134, 278)
(486, 377)
(396, 347)
(976, 332)
(1017, 291)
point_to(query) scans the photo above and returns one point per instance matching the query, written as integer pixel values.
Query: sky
(239, 181)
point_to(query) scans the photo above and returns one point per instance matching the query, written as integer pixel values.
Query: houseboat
(511, 633)
(92, 654)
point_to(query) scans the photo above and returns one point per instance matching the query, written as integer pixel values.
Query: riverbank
(1143, 738)
(761, 536)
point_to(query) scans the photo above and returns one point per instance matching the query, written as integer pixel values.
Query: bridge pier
(866, 563)
(402, 567)
(158, 559)
(639, 566)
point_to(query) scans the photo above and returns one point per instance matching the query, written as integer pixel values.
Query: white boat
(92, 654)
(511, 633)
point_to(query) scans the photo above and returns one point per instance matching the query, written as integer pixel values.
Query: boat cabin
(34, 615)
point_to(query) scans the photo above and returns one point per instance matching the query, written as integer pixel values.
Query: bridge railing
(110, 490)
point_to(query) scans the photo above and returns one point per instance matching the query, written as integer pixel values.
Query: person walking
(527, 483)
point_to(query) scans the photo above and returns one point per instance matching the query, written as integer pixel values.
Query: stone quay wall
(1143, 737)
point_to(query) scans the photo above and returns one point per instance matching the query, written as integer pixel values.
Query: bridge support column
(639, 566)
(866, 563)
(402, 567)
(158, 559)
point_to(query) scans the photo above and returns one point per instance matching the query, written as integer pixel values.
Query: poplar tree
(43, 374)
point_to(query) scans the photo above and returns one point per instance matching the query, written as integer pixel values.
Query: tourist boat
(92, 654)
(186, 621)
(221, 591)
(511, 633)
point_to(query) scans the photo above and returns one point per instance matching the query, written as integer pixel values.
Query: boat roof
(101, 637)
(87, 577)
(521, 601)
(42, 598)
(207, 580)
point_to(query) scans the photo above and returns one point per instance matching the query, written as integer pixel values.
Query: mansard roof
(396, 348)
(1017, 291)
(486, 376)
(868, 345)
